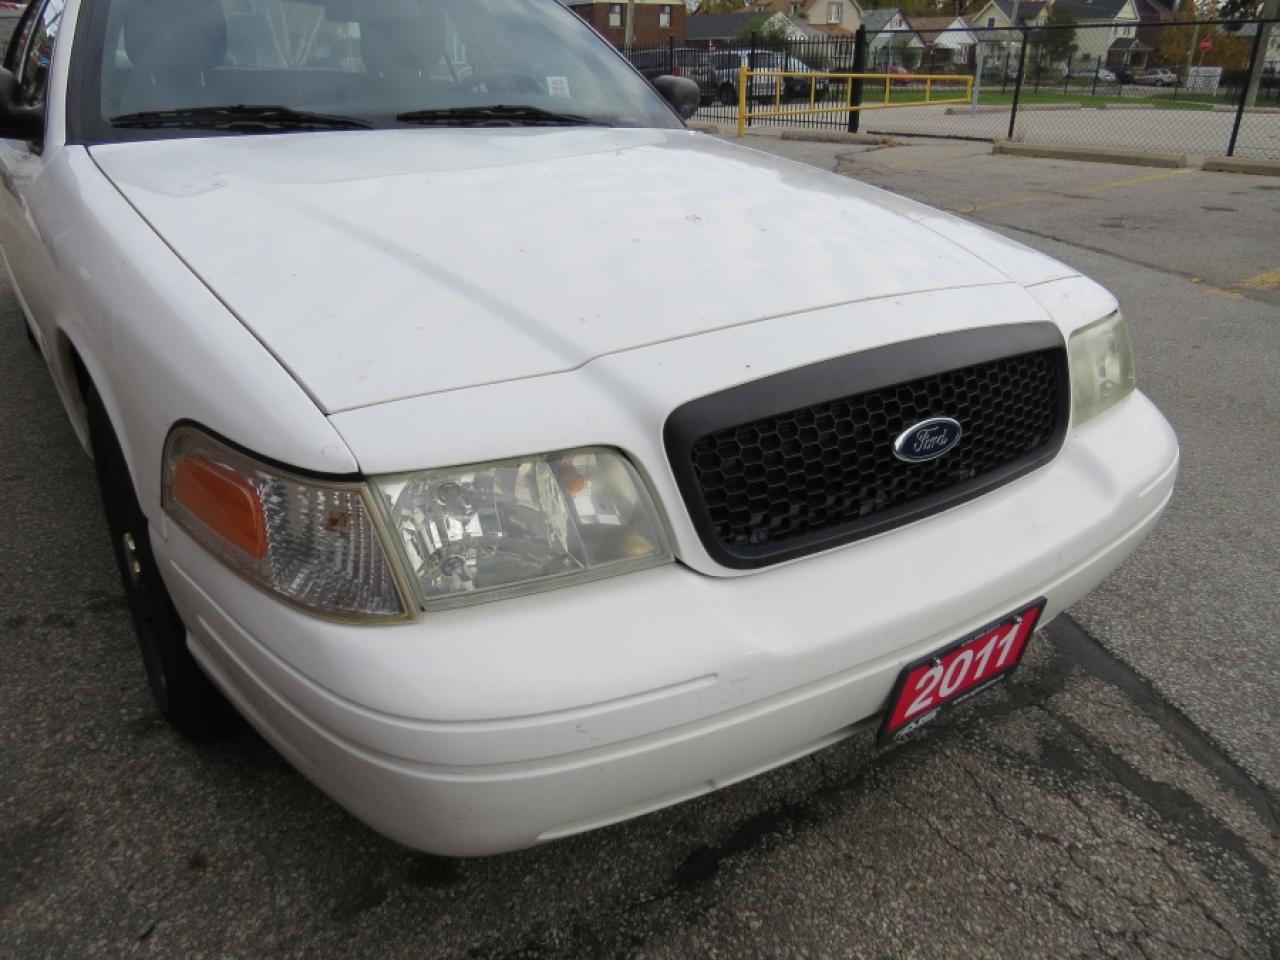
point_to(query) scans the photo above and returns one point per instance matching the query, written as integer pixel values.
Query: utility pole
(1270, 10)
(630, 40)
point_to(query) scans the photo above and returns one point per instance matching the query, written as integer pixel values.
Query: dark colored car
(725, 65)
(680, 62)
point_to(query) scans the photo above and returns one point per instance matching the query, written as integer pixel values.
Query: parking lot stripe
(1089, 188)
(1268, 280)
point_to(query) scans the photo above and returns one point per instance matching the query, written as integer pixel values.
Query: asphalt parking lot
(1118, 798)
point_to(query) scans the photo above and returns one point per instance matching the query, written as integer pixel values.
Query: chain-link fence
(1177, 87)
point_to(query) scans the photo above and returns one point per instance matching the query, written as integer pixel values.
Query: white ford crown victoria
(516, 460)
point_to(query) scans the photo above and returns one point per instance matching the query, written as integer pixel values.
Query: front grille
(792, 482)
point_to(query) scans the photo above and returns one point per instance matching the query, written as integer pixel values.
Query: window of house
(664, 17)
(835, 12)
(991, 21)
(615, 14)
(795, 9)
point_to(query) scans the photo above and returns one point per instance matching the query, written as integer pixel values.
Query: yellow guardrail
(817, 106)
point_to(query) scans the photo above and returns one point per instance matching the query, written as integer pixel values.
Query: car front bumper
(497, 726)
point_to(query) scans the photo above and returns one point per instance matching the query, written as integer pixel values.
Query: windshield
(352, 63)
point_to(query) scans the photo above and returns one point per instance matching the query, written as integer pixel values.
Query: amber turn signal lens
(223, 501)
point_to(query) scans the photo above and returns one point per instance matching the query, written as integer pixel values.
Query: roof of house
(1027, 10)
(1128, 43)
(877, 19)
(1091, 9)
(1152, 11)
(931, 28)
(828, 29)
(715, 26)
(778, 6)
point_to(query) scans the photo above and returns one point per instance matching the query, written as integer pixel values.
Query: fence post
(1244, 90)
(671, 54)
(1017, 83)
(855, 86)
(745, 97)
(1066, 77)
(1039, 57)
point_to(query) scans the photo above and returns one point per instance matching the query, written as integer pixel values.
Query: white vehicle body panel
(374, 302)
(385, 265)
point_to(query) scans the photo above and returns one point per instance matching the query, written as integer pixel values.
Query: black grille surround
(803, 460)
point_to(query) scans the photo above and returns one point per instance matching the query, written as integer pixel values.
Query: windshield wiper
(238, 117)
(497, 115)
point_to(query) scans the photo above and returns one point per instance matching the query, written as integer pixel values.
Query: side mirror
(681, 92)
(18, 121)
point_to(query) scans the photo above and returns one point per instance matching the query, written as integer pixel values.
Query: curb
(1126, 106)
(998, 108)
(1262, 168)
(1222, 109)
(833, 136)
(710, 128)
(1092, 154)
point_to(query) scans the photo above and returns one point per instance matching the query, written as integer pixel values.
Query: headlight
(312, 542)
(490, 530)
(1101, 366)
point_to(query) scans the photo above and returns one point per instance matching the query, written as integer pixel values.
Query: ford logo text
(927, 440)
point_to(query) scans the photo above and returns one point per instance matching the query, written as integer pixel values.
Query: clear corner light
(312, 542)
(490, 530)
(1101, 358)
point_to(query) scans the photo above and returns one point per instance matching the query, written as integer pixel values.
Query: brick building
(655, 23)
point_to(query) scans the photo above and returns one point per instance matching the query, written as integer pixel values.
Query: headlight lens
(312, 542)
(490, 530)
(1101, 366)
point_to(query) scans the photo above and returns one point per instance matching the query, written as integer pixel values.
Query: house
(1270, 58)
(653, 22)
(891, 41)
(1106, 30)
(998, 14)
(711, 30)
(815, 19)
(1151, 15)
(947, 41)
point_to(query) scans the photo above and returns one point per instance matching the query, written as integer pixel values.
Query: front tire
(182, 692)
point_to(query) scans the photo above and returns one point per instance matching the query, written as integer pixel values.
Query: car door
(22, 167)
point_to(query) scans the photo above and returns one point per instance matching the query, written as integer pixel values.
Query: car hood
(389, 264)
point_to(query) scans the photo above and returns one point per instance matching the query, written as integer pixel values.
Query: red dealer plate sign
(957, 672)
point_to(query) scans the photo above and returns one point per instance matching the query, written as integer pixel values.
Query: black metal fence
(1180, 87)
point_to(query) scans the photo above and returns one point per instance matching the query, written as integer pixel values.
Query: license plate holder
(962, 669)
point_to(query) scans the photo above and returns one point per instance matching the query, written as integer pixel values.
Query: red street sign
(1206, 44)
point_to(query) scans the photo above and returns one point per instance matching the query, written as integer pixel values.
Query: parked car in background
(1101, 74)
(797, 88)
(678, 62)
(1158, 77)
(726, 64)
(425, 445)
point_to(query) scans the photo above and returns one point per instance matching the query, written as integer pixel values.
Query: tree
(1240, 9)
(771, 32)
(1060, 42)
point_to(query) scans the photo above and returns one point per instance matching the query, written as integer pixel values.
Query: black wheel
(728, 96)
(183, 694)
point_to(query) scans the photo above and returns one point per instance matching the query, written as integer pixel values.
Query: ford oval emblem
(927, 440)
